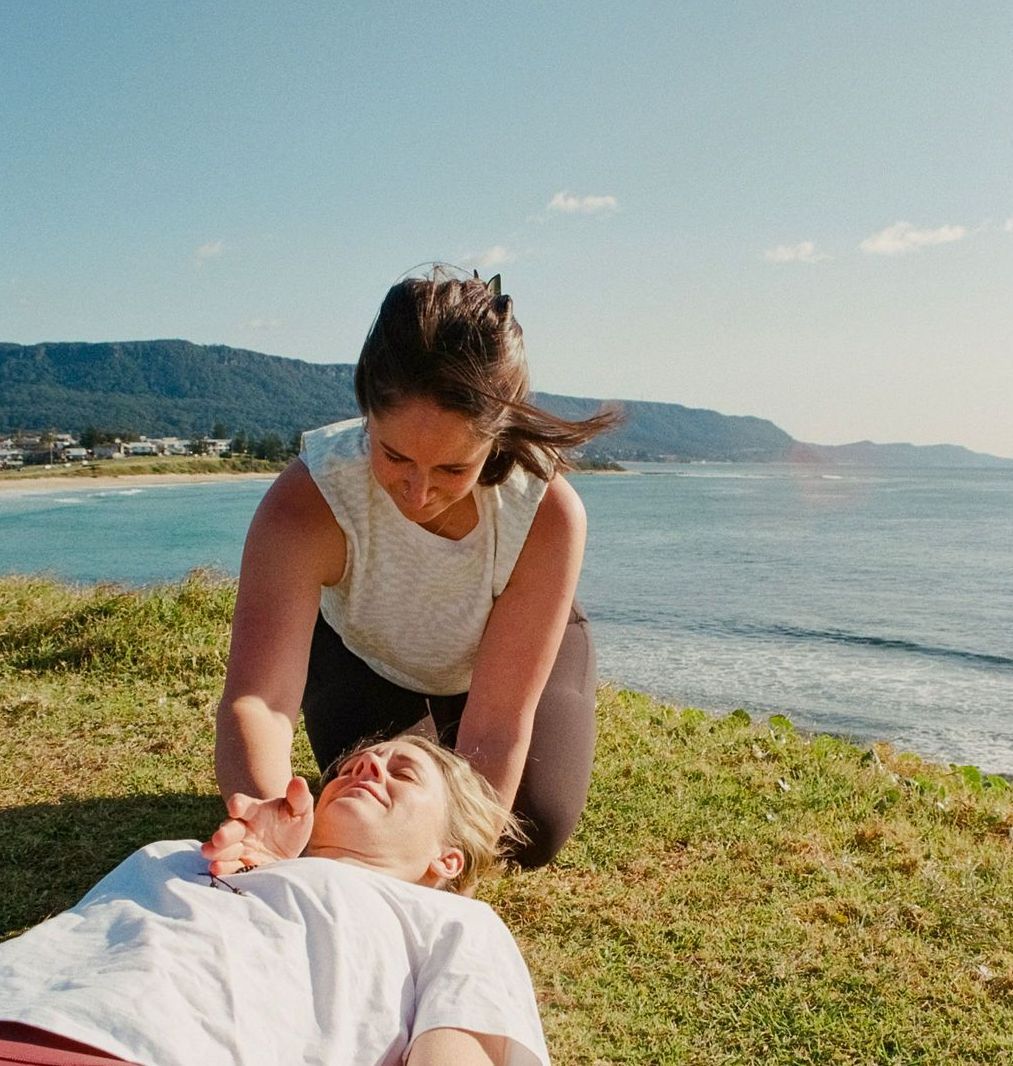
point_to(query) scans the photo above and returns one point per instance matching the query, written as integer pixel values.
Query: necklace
(443, 525)
(449, 516)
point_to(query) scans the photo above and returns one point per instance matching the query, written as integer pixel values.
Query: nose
(416, 488)
(367, 767)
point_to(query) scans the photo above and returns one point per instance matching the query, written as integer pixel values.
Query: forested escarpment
(176, 388)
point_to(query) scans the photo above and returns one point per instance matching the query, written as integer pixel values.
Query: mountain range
(176, 388)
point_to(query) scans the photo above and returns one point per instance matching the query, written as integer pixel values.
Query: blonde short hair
(477, 823)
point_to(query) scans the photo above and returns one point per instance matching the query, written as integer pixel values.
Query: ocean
(873, 603)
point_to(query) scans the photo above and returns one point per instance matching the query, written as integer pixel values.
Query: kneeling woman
(423, 560)
(345, 956)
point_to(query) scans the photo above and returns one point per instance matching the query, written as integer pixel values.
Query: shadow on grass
(52, 853)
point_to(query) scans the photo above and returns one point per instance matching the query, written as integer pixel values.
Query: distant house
(75, 455)
(140, 447)
(108, 451)
(169, 445)
(11, 459)
(36, 453)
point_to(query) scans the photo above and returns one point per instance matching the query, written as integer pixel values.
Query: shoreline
(811, 731)
(71, 482)
(64, 482)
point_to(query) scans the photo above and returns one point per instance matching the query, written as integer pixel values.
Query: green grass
(736, 892)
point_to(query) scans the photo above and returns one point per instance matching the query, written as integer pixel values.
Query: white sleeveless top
(411, 604)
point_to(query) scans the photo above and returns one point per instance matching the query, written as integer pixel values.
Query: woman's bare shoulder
(294, 518)
(561, 511)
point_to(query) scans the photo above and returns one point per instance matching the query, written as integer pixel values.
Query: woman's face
(386, 807)
(425, 457)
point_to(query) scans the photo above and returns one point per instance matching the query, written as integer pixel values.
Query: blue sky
(801, 211)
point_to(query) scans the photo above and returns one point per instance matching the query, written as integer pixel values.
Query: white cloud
(568, 204)
(491, 257)
(1008, 225)
(209, 250)
(902, 237)
(804, 252)
(264, 323)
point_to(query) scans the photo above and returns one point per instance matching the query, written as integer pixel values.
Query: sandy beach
(72, 482)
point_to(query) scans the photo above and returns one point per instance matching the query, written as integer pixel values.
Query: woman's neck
(377, 864)
(456, 522)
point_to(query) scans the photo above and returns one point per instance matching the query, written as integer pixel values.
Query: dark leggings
(346, 702)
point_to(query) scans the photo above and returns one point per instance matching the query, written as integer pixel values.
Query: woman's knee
(551, 800)
(557, 775)
(546, 837)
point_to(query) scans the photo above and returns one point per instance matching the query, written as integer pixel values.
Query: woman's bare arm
(293, 547)
(521, 641)
(442, 1047)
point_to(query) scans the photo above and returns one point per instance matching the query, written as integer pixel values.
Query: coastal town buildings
(41, 448)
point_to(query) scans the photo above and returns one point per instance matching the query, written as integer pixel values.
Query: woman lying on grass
(345, 955)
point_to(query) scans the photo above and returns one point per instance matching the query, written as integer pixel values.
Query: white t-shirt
(316, 962)
(410, 604)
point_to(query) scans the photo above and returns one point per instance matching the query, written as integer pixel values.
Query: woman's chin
(421, 515)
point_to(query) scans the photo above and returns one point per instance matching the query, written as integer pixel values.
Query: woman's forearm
(497, 750)
(253, 748)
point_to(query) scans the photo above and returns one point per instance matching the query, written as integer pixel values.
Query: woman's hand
(258, 832)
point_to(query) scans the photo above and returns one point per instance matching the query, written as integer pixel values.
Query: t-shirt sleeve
(475, 979)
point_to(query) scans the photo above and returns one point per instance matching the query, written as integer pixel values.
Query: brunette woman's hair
(456, 342)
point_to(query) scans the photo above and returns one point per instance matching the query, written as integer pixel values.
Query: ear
(446, 866)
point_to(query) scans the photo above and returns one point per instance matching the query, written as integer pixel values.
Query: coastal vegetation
(737, 891)
(198, 465)
(146, 465)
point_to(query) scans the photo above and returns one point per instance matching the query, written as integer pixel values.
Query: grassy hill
(671, 431)
(736, 892)
(173, 387)
(167, 388)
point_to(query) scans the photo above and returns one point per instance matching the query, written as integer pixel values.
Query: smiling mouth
(370, 790)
